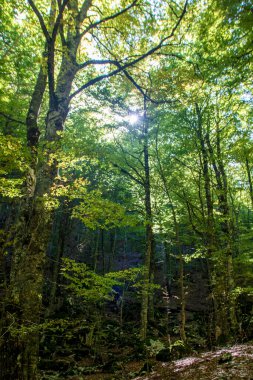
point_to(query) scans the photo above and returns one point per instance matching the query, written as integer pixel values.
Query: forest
(126, 189)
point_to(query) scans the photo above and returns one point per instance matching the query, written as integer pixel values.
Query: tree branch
(129, 165)
(41, 20)
(129, 77)
(58, 19)
(97, 62)
(143, 93)
(195, 229)
(83, 11)
(115, 63)
(124, 171)
(12, 119)
(129, 64)
(111, 17)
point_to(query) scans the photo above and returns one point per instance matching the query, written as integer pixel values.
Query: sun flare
(133, 118)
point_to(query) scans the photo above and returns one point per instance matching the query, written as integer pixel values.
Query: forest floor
(231, 363)
(225, 364)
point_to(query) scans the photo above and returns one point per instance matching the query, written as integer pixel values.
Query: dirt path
(225, 364)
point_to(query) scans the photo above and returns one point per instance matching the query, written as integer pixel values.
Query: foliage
(93, 209)
(14, 164)
(85, 283)
(154, 347)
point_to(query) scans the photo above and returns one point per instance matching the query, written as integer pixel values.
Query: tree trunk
(178, 248)
(20, 363)
(222, 268)
(96, 251)
(58, 235)
(113, 238)
(210, 239)
(149, 253)
(249, 180)
(33, 233)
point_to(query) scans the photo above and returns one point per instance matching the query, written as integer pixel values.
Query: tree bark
(149, 253)
(219, 322)
(178, 248)
(249, 180)
(219, 241)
